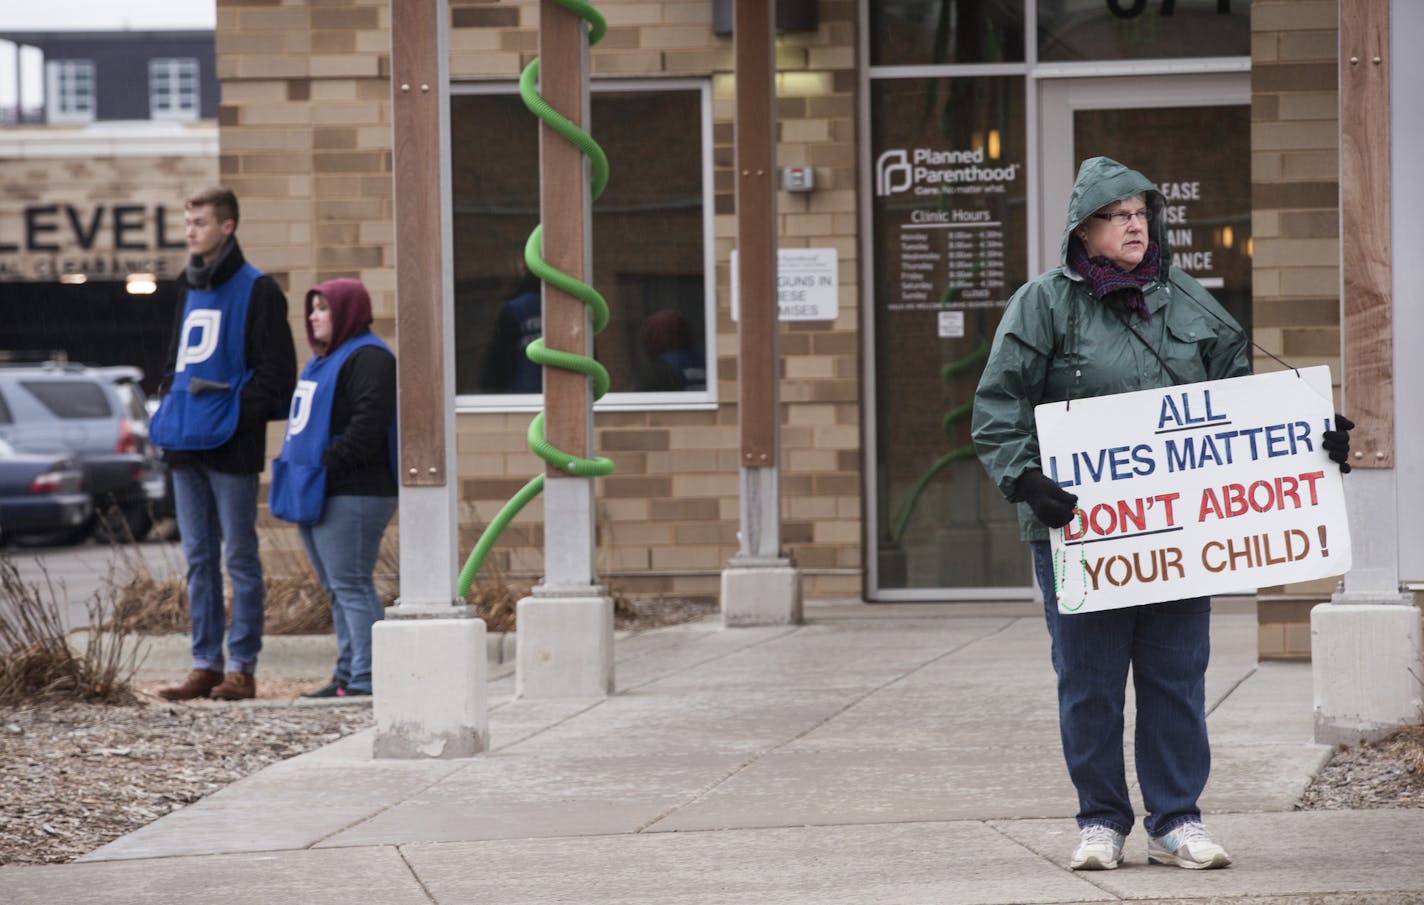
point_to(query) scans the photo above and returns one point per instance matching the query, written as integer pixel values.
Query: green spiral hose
(553, 358)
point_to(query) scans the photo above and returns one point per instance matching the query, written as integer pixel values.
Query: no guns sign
(1207, 488)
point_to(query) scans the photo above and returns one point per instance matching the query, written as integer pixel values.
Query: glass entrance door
(1189, 134)
(957, 225)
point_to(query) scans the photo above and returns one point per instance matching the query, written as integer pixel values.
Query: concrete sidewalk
(886, 753)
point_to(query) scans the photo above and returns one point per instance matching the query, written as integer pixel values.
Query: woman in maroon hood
(336, 475)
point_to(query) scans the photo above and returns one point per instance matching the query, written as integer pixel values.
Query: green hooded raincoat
(1058, 342)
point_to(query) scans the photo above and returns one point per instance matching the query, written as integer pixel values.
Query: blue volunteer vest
(691, 368)
(298, 491)
(201, 408)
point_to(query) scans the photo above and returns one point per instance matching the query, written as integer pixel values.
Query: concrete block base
(1367, 670)
(565, 647)
(761, 594)
(430, 696)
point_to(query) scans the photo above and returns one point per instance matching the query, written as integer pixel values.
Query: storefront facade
(941, 138)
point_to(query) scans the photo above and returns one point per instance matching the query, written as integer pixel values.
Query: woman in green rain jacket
(1113, 317)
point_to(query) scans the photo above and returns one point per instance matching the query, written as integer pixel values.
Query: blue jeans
(343, 547)
(1167, 645)
(217, 510)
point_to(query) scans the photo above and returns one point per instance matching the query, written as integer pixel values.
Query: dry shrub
(36, 661)
(496, 599)
(142, 601)
(296, 603)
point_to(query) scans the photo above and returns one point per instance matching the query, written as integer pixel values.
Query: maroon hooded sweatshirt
(357, 461)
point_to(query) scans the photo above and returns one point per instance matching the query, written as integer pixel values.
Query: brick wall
(1295, 225)
(305, 133)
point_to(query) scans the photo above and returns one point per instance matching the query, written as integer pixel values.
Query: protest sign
(1207, 488)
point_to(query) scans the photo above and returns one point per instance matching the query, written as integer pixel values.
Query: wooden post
(564, 212)
(757, 373)
(760, 586)
(1366, 325)
(431, 639)
(566, 625)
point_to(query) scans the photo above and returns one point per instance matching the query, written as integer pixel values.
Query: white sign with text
(1208, 488)
(807, 284)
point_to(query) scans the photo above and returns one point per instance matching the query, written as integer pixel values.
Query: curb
(283, 656)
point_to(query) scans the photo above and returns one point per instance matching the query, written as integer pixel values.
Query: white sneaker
(1189, 846)
(1100, 848)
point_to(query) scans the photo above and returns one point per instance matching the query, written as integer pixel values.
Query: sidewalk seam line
(703, 793)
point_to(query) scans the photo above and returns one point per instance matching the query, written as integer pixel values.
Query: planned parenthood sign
(1209, 488)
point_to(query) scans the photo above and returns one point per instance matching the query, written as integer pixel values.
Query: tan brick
(271, 67)
(1309, 45)
(1310, 281)
(346, 114)
(831, 57)
(1297, 639)
(699, 13)
(1294, 252)
(466, 65)
(1303, 165)
(1313, 105)
(1295, 135)
(704, 485)
(624, 14)
(273, 115)
(1264, 47)
(688, 557)
(1296, 15)
(328, 66)
(625, 62)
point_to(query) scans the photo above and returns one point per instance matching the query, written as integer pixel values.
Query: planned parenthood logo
(929, 171)
(893, 173)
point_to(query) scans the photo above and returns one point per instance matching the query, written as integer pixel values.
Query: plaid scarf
(1113, 285)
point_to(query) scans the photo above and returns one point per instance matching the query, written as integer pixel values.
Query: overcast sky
(92, 15)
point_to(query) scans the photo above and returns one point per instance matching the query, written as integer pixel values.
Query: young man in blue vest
(231, 369)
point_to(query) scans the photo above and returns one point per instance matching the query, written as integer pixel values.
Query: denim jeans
(343, 547)
(217, 510)
(1167, 645)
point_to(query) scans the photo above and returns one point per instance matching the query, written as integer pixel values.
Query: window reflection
(922, 32)
(1142, 29)
(648, 242)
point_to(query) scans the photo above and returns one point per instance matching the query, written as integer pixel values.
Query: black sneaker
(353, 693)
(329, 690)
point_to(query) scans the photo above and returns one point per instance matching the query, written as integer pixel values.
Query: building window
(173, 88)
(651, 245)
(70, 90)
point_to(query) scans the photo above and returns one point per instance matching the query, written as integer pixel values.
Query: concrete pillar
(1367, 669)
(430, 639)
(430, 677)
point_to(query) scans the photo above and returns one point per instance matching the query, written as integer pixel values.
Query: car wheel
(120, 526)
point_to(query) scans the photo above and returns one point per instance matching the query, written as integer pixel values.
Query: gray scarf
(200, 274)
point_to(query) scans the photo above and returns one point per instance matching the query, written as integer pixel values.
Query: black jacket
(357, 461)
(272, 357)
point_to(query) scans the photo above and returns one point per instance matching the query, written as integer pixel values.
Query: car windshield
(70, 398)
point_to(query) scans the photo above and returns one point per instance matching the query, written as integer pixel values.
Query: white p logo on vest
(300, 413)
(205, 322)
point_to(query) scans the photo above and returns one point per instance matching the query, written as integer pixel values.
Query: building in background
(108, 133)
(940, 139)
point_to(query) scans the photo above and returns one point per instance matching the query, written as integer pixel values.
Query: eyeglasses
(1120, 218)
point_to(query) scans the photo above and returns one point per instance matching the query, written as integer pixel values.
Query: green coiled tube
(598, 309)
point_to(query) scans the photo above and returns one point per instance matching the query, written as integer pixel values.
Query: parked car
(41, 495)
(139, 409)
(62, 407)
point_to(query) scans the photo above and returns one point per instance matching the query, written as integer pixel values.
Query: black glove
(1052, 504)
(1337, 442)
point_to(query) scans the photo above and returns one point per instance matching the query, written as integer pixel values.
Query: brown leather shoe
(199, 684)
(236, 686)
